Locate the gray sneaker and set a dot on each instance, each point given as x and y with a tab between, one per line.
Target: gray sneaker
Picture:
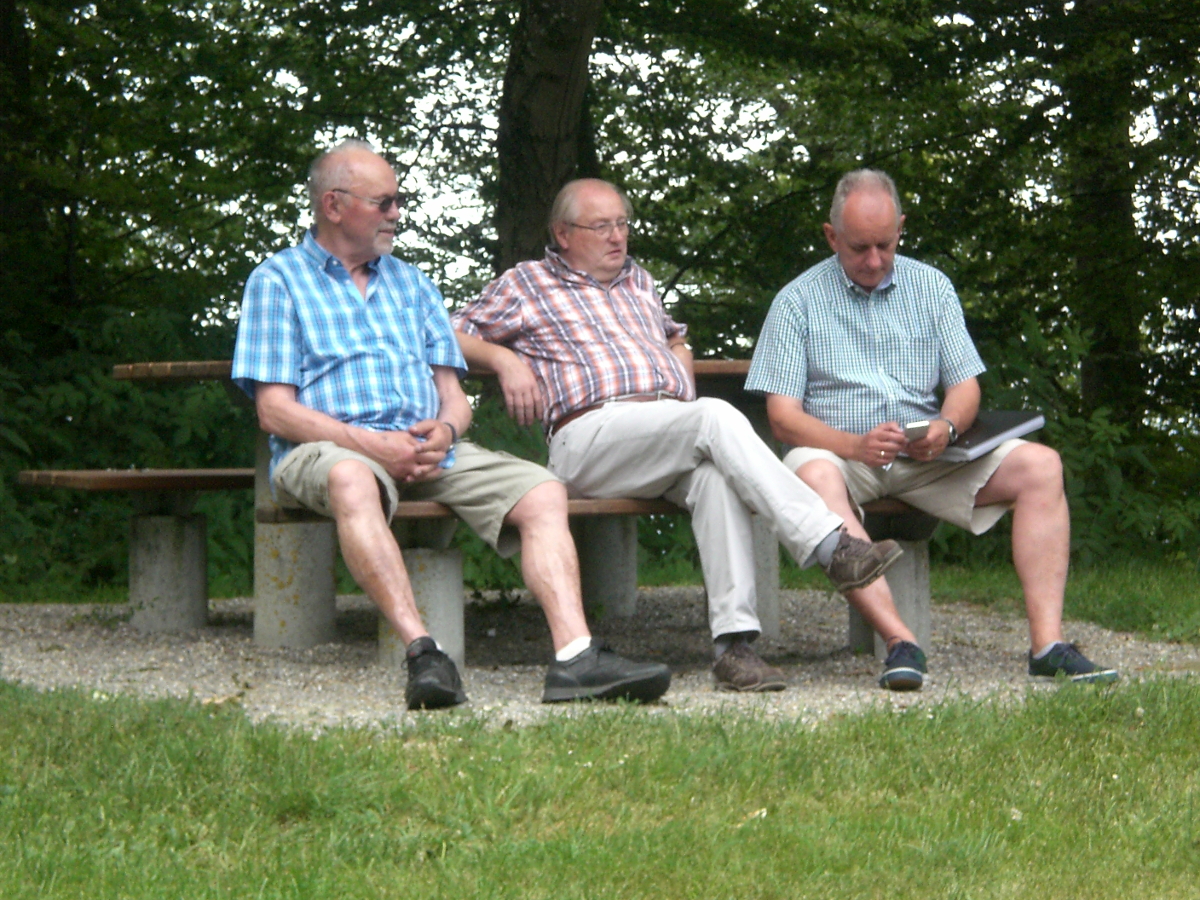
856	563
600	674
905	668
1066	660
741	669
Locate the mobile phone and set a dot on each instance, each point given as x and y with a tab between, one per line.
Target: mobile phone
914	431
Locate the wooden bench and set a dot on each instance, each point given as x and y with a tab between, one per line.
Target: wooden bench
294	550
168	549
294	559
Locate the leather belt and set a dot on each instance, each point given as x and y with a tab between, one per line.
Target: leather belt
570	417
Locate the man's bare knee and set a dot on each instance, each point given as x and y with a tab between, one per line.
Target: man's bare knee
546	503
1035	466
352	485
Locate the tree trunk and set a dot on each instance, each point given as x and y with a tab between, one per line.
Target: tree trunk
1107	296
543	121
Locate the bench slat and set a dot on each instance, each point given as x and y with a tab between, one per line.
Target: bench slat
428	509
141	479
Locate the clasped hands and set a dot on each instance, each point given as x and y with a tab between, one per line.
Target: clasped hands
411	455
882	444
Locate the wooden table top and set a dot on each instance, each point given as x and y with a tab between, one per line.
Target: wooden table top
217	369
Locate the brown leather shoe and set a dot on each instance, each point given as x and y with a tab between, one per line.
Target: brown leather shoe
857	563
741	669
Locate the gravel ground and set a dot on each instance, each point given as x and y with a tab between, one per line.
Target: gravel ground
975	653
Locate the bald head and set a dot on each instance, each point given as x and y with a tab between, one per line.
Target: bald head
865	225
353	193
589	224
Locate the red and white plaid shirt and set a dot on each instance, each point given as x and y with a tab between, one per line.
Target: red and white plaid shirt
585	343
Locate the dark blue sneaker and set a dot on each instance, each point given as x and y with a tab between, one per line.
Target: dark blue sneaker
599	674
904	669
1066	660
433	680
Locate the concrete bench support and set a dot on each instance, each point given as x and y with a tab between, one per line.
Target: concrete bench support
607	547
168	572
608	567
908	578
437	583
294	597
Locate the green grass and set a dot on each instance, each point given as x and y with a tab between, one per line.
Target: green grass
1156	598
1159	599
1077	793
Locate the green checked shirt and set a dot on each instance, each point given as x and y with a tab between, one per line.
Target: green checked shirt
858	359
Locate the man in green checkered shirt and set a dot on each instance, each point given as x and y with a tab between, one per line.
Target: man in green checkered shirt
862	343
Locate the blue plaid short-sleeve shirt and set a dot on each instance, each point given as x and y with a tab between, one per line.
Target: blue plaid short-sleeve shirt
858	359
365	362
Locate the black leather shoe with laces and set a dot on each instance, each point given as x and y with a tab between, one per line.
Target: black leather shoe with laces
433	680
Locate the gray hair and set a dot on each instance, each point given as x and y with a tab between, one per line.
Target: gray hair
861	179
330	168
564	210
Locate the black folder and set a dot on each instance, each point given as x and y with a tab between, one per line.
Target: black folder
991	429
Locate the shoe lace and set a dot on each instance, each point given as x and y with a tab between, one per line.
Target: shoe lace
1070	651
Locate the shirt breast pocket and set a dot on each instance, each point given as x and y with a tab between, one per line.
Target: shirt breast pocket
913	363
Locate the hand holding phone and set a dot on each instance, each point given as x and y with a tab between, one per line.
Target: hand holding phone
914	431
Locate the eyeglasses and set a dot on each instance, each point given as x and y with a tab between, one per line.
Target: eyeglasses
384	205
605	229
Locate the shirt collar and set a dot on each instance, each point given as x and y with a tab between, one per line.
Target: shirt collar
559	267
325	260
889	281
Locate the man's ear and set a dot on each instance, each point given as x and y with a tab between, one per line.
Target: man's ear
830	236
331	207
560	232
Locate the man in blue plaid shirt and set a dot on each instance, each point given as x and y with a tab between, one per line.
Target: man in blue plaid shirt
354	370
861	343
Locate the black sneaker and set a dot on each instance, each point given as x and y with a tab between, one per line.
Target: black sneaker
433	680
904	669
599	674
1065	659
856	563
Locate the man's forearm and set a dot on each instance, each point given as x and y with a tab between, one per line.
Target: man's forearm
454	409
683	353
481	354
280	414
961	404
792	425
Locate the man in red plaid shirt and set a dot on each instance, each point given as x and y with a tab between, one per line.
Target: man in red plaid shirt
581	342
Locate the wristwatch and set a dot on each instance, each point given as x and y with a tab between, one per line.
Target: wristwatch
953	430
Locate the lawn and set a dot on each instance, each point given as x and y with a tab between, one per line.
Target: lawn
1080	792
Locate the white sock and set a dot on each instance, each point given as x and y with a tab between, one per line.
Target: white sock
824	551
1050	646
573	649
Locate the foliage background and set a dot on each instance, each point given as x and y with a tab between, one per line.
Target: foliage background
152	155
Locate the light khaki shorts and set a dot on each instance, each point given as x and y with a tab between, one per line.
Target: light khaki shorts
481	487
942	489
